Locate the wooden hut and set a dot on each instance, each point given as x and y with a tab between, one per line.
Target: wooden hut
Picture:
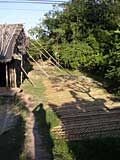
12	55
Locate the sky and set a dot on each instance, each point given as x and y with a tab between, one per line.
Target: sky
28	14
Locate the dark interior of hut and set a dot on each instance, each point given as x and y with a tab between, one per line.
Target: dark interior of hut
2	75
15	76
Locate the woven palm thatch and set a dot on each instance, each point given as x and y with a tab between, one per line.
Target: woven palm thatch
12	41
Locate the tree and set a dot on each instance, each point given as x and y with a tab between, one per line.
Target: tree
85	34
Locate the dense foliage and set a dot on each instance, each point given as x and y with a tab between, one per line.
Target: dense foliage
84	35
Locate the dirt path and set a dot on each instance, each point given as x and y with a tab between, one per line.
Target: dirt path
35	148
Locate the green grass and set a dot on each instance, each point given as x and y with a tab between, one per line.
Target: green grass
67	72
52	118
60	148
36	91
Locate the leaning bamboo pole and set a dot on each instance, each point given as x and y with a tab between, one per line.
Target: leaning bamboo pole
45	56
27	76
38	65
53	59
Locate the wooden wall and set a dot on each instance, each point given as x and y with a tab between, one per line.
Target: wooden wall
10	74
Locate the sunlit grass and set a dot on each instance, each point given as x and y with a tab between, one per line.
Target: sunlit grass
36	91
60	149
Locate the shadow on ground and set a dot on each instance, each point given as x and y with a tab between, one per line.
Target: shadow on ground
12	141
43	140
13	125
95	149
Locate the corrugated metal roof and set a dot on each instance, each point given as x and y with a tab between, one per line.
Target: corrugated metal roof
8	35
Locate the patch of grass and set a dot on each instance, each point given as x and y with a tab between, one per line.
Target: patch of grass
67	72
36	91
52	118
60	148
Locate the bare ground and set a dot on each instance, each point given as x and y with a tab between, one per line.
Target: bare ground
70	89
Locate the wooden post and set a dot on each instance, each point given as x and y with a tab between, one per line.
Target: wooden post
6	75
12	74
21	78
38	65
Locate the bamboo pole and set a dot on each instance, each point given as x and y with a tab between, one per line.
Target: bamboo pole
54	59
27	76
46	56
38	65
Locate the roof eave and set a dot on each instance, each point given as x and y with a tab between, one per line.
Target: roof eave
5	60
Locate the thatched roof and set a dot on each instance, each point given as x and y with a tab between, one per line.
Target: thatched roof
12	38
